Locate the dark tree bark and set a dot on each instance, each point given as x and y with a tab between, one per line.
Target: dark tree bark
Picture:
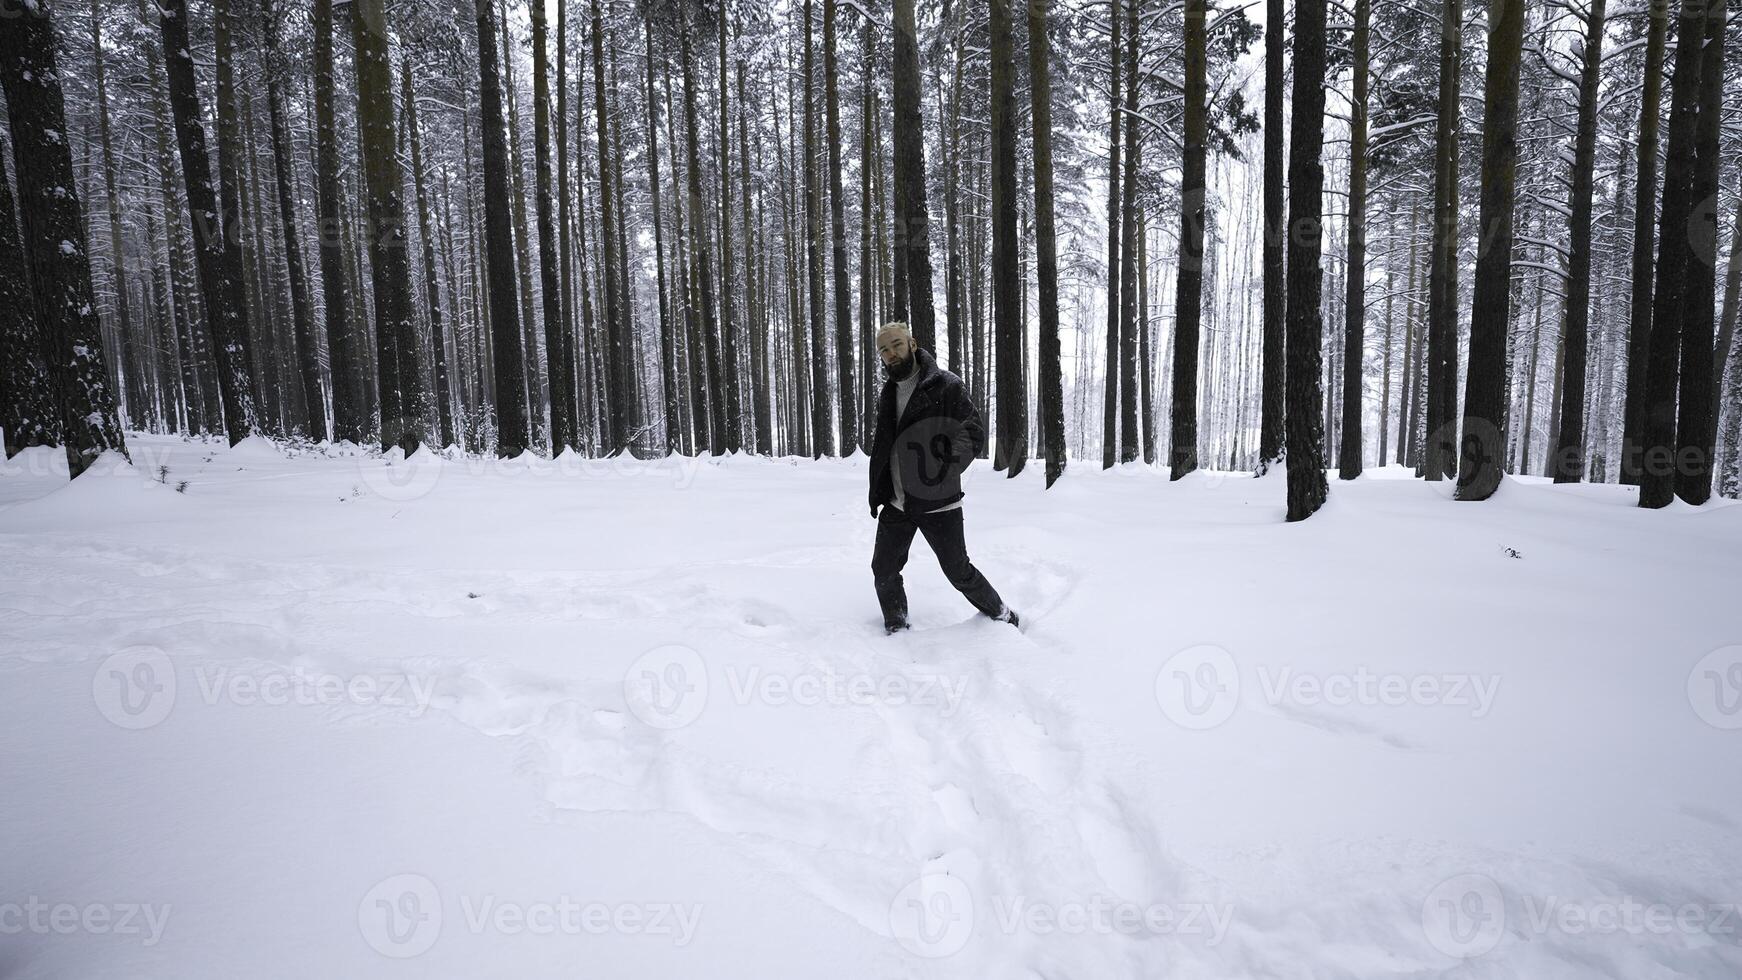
1644	243
1483	459
1306	180
1052	398
1274	371
400	378
1355	282
667	347
913	219
314	418
344	335
700	261
728	278
512	432
438	330
1183	442
1659	464
1438	450
27	411
838	234
1567	464
761	392
559	361
1012	416
821	433
132	366
1128	434
70	336
1110	395
218	255
1696	418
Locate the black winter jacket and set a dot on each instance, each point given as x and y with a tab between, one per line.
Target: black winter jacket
933	442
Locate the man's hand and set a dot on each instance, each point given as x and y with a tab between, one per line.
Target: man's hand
873	511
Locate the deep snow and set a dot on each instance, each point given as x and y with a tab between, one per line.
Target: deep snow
325	714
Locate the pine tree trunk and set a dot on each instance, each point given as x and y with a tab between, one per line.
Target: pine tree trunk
1052	399
438	330
1438	451
1355	280
1482	462
1670	294
513	435
1110	395
913	235
558	360
27	410
399	378
1128	434
1696	416
1567	465
69	336
728	280
667	347
350	413
1275	301
701	262
1189	296
838	237
1644	242
1306	178
218	255
1012	424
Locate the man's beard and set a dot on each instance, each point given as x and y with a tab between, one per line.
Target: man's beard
902	369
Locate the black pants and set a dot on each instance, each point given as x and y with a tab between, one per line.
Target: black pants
943	531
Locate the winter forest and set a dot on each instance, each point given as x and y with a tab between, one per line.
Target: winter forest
432	531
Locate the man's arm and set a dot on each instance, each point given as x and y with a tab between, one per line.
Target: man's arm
963	410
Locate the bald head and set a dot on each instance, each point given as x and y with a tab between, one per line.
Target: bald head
895	347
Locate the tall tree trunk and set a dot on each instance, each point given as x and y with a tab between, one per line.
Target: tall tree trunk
838	236
1189	296
70	336
1306	179
134	390
397	370
1675	254
1355	281
821	434
1696	417
1110	399
1438	451
1052	399
667	346
344	335
1567	465
218	255
1275	301
911	214
1644	242
728	319
558	360
314	418
1482	462
513	435
1012	416
1128	434
701	262
438	330
27	409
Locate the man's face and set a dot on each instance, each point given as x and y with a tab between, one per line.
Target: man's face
894	347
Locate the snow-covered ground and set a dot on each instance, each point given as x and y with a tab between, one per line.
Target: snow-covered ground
334	715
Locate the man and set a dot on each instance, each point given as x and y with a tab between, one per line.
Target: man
928	431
